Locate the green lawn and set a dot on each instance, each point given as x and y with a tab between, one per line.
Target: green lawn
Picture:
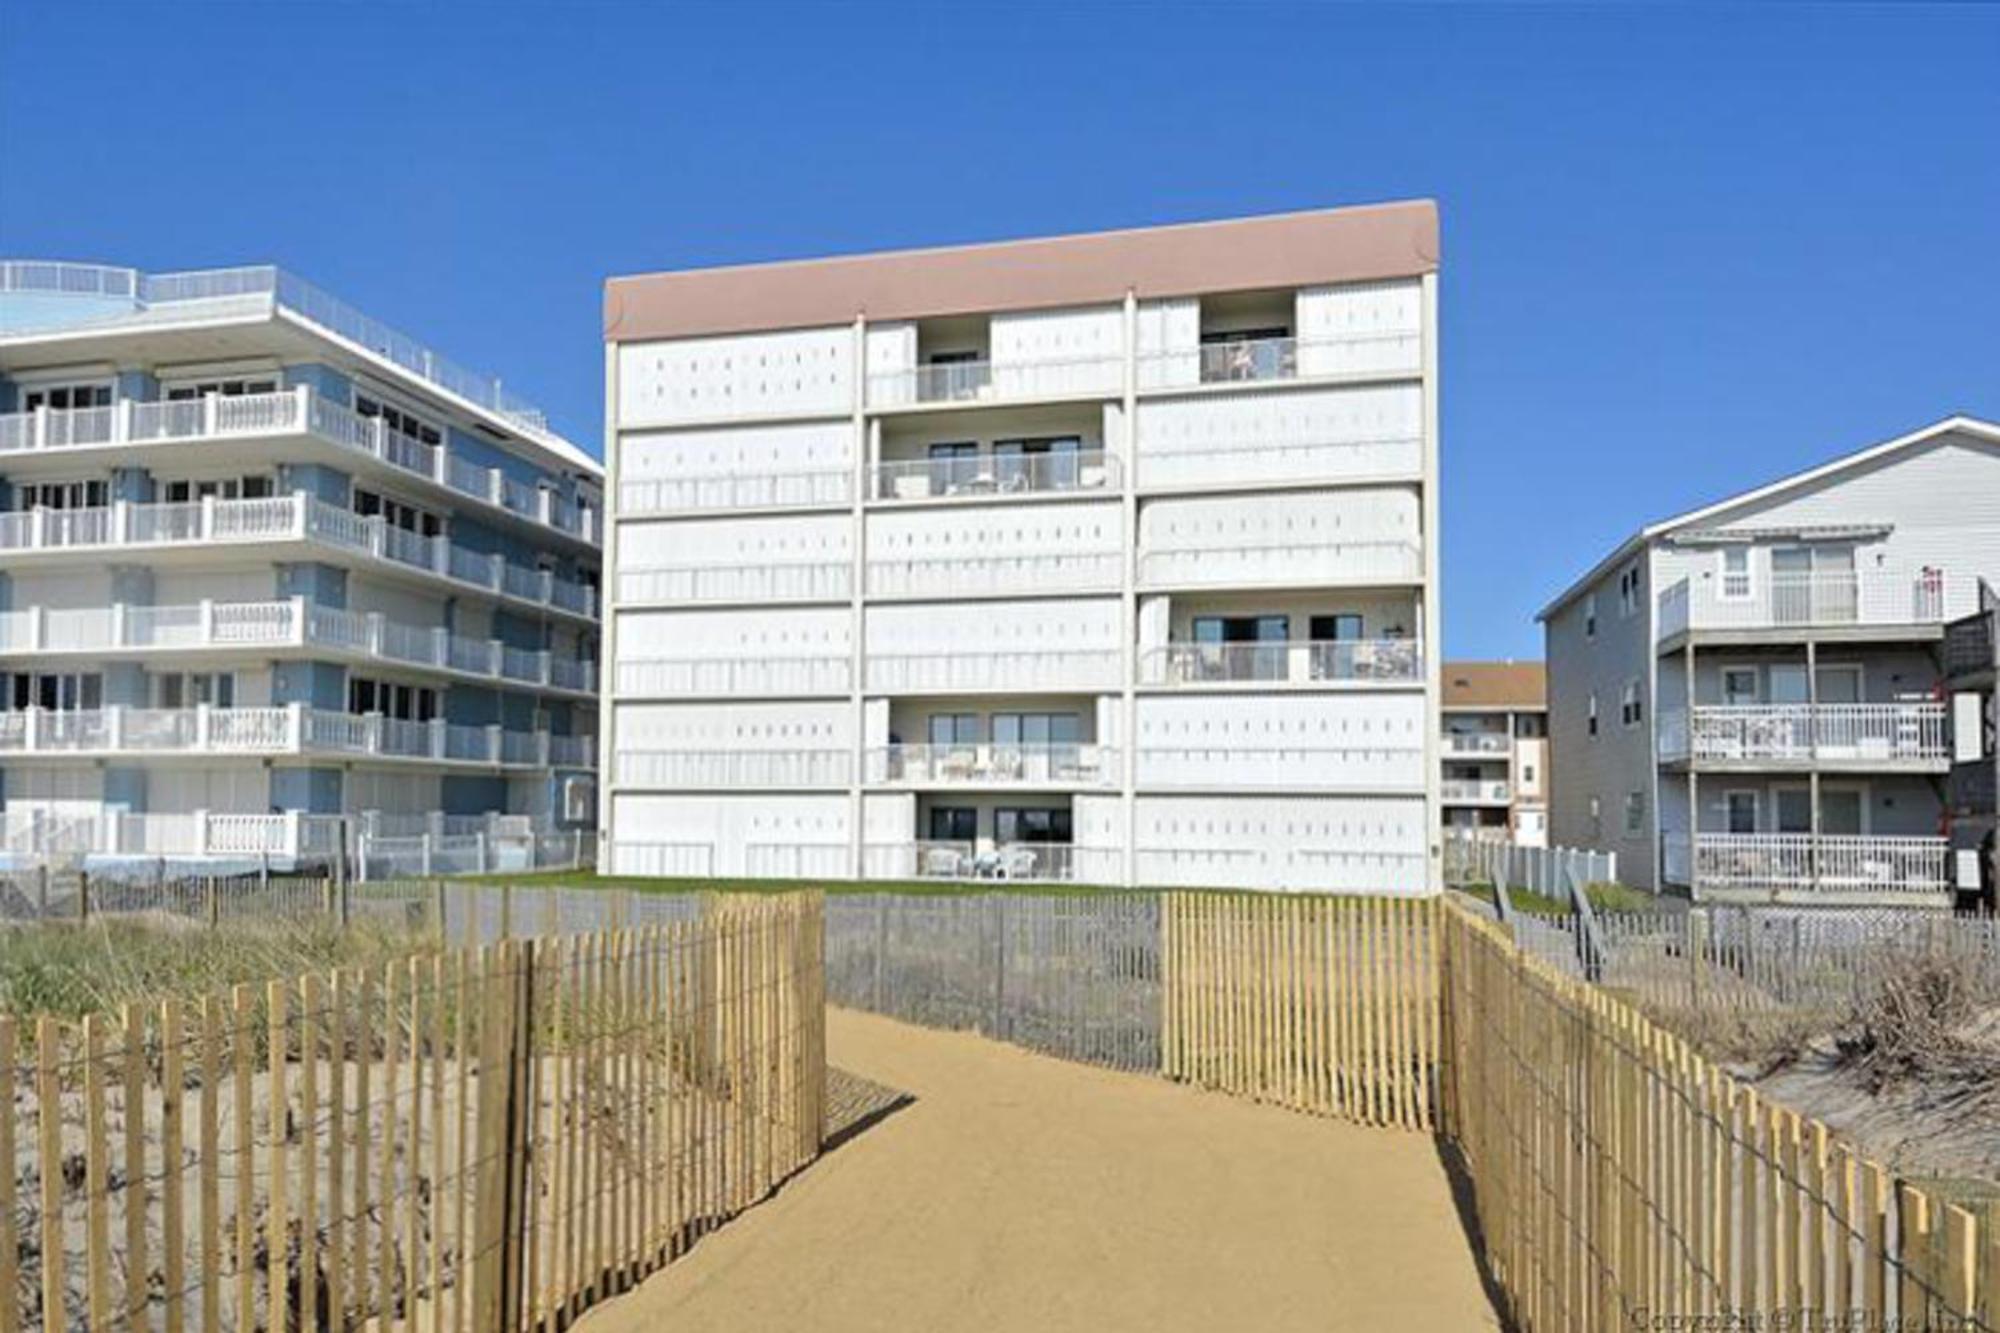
584	879
1605	897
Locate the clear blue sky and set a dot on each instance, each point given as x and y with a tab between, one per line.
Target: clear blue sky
1686	249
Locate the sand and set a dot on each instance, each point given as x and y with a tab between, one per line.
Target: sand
1019	1192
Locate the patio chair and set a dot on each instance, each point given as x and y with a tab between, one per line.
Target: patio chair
1018	863
944	862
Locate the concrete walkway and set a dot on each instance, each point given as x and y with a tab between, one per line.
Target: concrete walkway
1023	1193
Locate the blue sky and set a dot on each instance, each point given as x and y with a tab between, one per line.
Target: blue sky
1687	249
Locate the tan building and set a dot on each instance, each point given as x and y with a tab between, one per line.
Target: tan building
1495	751
1107	558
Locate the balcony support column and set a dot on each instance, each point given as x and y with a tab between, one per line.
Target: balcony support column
1812	713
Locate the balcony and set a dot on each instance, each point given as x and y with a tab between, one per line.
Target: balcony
1390	458
1867	598
994	765
791	581
1080	670
1477	745
992	476
1465	791
682	677
976	382
1285	564
290	623
199	833
1304	663
1397	352
969	575
1867	736
289	729
1851	868
1969	649
141	528
1362	767
808	488
697	768
1050	862
130	427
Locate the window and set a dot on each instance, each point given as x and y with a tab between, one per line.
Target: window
1630	710
1241	647
1628	591
1036	729
192	688
1739	809
1635	814
396	513
64	397
1590	615
954	729
61	692
406	424
1531	726
952	823
1527	774
234	387
1031	825
1339	628
1735	573
1739	686
1596	818
954	466
225	488
64	495
1037	465
407	703
1591	721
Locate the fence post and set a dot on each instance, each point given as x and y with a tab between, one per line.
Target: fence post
83	895
213	902
1697	947
999	966
1589	940
504	1057
881	946
42	891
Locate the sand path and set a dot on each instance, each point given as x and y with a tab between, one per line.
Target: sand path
1024	1193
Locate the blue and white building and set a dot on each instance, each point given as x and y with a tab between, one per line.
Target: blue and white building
271	570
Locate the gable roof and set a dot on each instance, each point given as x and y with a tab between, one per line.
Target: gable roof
1852	462
1518	685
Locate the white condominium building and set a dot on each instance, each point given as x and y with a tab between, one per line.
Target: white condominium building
270	570
1108	558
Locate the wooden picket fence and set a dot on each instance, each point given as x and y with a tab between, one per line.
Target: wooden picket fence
1622	1181
1328	1005
488	1138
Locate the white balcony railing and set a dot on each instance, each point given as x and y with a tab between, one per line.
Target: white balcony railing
1301	662
791	488
1815	601
1464	791
292	622
286	729
1781	862
1385	560
790	581
931	858
1894	733
735	768
996	381
1030	669
966	573
670	677
1477	744
1260	360
992	475
1290	463
984	765
296	411
297	517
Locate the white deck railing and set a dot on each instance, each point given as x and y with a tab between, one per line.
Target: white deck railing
989	475
1076	764
1260	360
1028	669
735	768
1798	861
800	487
1893	733
1477	745
996	381
935	858
1300	662
1381	560
285	729
1815	601
1163	466
299	410
296	517
668	677
1463	791
800	580
293	622
969	573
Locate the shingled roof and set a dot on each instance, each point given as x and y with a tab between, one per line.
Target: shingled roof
1518	685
